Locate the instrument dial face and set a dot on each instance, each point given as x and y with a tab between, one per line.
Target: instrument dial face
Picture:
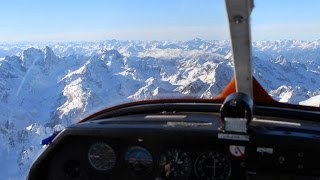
101	157
175	164
139	160
212	165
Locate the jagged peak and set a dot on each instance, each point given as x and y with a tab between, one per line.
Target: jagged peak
31	51
30	56
48	50
281	60
196	40
112	52
112	58
49	55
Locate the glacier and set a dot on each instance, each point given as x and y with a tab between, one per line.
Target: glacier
46	86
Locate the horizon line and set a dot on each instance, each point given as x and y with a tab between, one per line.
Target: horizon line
137	40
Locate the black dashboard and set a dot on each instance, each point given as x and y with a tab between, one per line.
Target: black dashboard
183	141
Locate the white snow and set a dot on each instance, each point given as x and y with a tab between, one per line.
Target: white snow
60	83
75	97
313	101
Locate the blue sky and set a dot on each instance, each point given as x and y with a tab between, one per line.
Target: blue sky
36	20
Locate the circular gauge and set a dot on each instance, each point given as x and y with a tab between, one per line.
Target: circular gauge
139	160
175	164
213	166
101	157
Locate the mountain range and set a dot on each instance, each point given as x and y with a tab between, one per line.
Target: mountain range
47	86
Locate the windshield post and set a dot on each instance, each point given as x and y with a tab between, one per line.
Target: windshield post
239	25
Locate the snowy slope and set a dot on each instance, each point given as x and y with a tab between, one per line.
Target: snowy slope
313	101
46	86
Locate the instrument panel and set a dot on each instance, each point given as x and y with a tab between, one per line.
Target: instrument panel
172	163
103	158
182	146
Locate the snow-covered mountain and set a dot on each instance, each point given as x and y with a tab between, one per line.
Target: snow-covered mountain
46	86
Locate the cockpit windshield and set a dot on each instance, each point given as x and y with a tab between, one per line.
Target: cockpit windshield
61	61
286	50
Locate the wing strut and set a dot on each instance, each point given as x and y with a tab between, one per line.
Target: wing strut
239	23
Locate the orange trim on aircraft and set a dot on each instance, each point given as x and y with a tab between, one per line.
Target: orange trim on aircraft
259	94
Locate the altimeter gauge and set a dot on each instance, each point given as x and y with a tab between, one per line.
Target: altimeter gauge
212	165
175	164
101	156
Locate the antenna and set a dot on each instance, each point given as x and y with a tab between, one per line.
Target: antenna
239	24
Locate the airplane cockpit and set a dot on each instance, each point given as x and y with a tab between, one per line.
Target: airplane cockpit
240	134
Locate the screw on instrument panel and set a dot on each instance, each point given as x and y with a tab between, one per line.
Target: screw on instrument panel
238	19
233	103
140	140
281	159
